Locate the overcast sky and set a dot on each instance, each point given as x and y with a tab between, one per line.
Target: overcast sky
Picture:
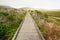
43	4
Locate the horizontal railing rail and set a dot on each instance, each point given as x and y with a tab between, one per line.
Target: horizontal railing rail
39	32
17	32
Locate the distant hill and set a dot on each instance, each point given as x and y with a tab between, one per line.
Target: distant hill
2	6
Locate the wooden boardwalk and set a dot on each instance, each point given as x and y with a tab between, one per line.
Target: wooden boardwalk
28	30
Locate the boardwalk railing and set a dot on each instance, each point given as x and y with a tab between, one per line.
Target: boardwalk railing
17	32
39	32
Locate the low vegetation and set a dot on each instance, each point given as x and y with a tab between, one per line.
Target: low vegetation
9	22
47	24
55	13
37	21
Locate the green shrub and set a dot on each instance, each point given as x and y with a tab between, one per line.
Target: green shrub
4	13
2	30
10	17
57	21
45	15
9	27
40	28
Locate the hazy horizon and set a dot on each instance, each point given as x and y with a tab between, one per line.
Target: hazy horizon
43	4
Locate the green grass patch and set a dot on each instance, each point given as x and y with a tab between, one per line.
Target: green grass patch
41	28
57	21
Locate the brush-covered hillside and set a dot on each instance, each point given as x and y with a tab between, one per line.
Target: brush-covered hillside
10	19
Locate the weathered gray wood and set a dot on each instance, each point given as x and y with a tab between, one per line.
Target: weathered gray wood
28	30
